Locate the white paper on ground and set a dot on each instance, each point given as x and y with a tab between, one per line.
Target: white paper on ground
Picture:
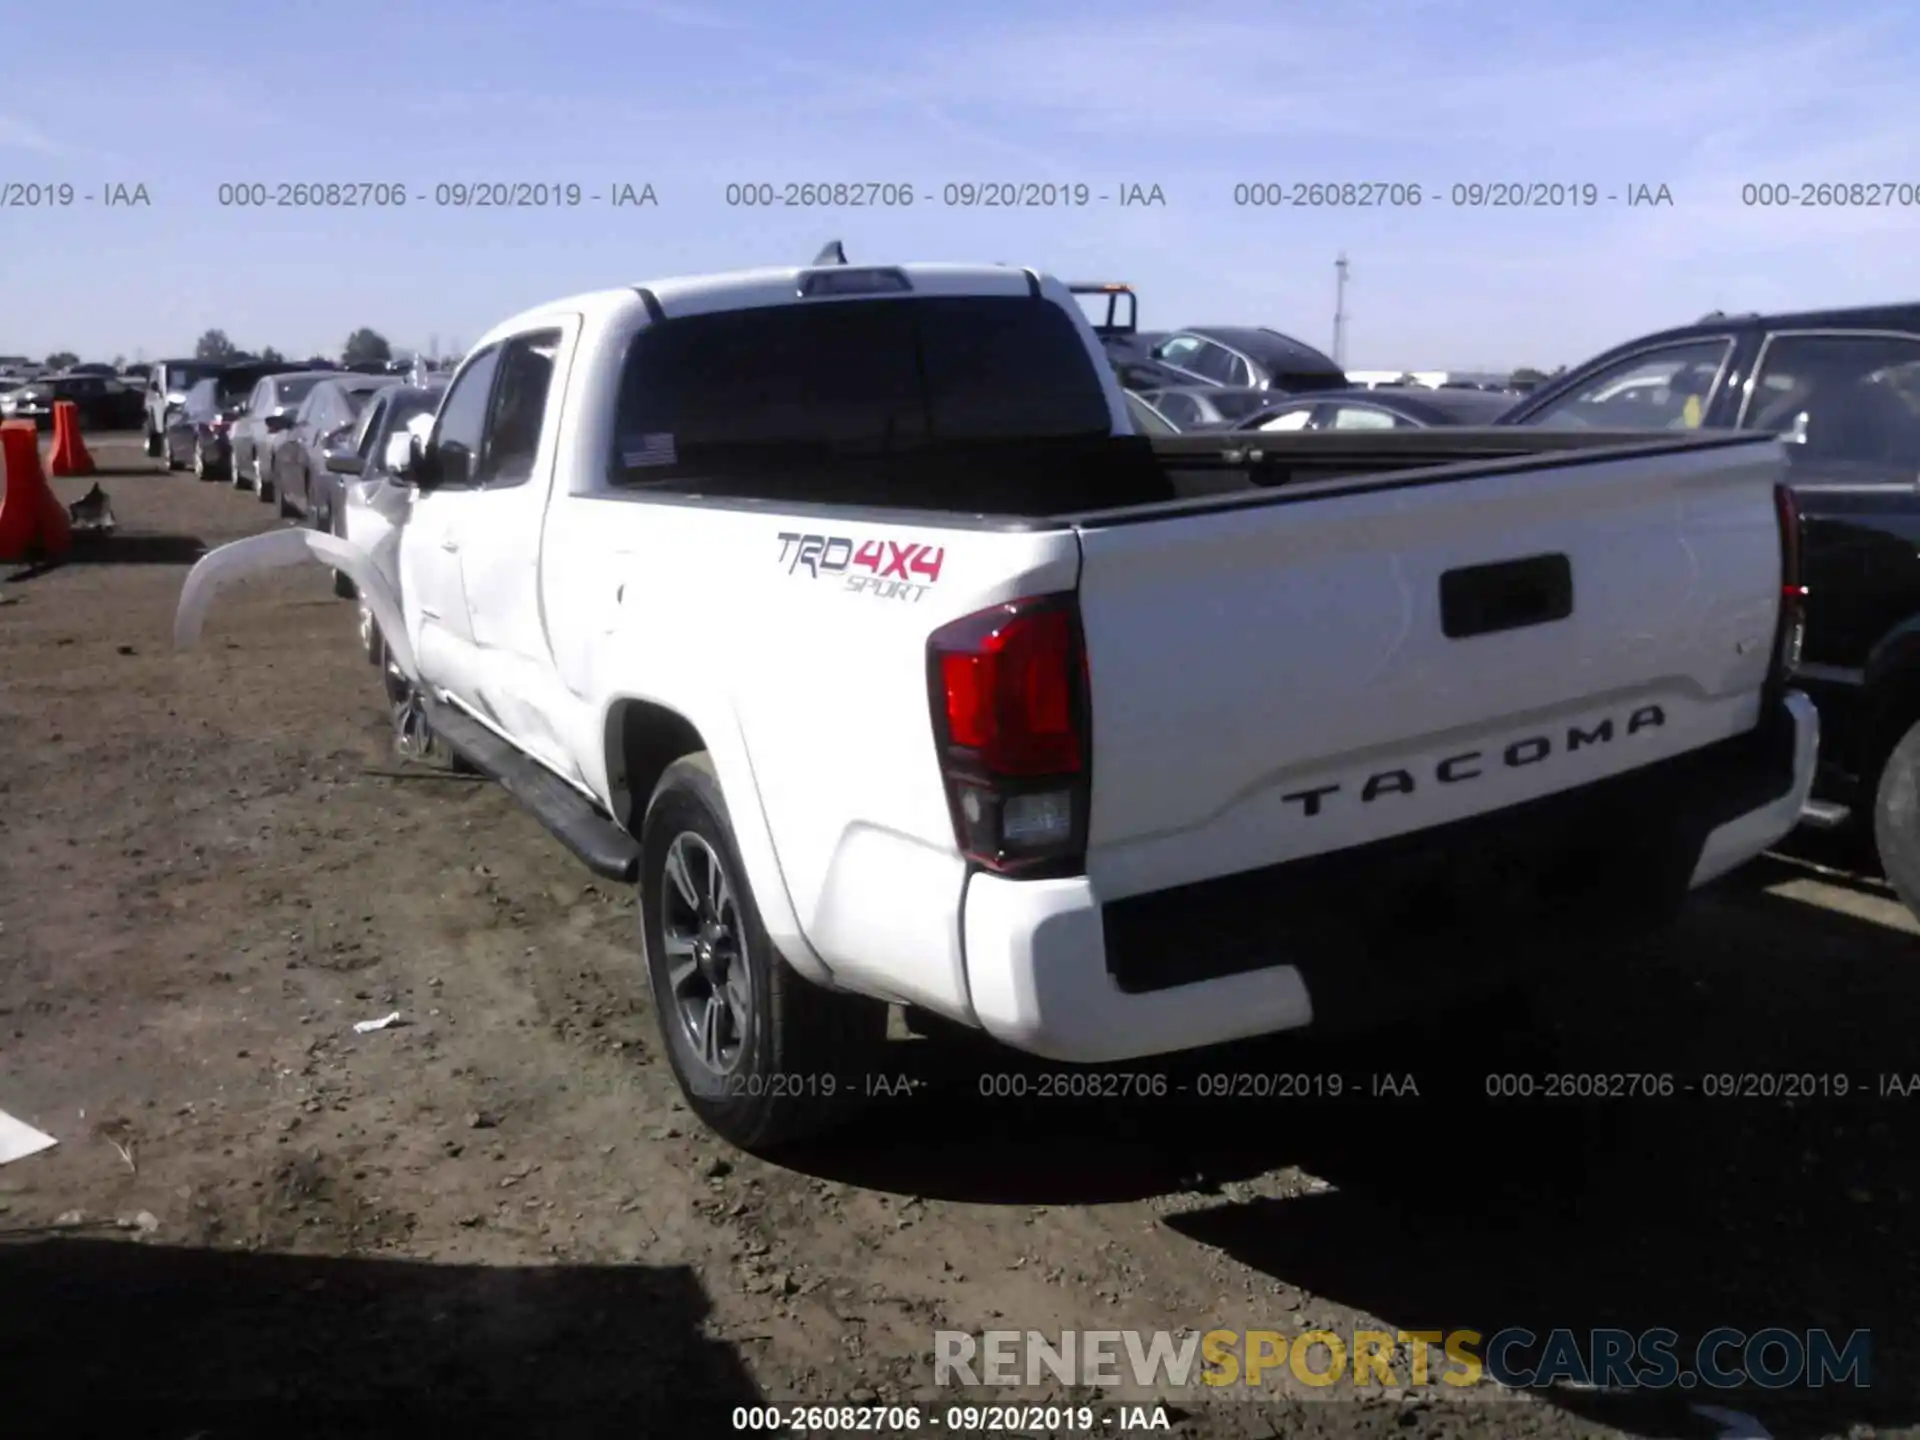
367	1027
19	1139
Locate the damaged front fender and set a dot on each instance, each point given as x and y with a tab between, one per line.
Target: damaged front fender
274	551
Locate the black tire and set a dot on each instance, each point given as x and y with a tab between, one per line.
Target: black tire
153	444
1896	817
343	585
800	1063
234	474
371	640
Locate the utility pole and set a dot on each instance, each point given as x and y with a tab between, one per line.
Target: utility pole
1340	311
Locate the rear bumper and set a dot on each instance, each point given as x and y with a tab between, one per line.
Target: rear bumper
1054	972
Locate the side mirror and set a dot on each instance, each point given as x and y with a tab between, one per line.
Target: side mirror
399	458
423	462
345	463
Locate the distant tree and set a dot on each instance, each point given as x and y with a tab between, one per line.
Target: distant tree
1559	370
272	356
214	345
1526	375
60	359
119	362
365	346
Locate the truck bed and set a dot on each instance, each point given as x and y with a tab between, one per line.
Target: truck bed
1049	485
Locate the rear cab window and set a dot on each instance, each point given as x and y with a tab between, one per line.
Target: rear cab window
879	401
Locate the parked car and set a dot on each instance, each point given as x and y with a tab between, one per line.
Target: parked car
1842	389
197	433
168	382
372	505
202	434
269	415
1103	728
1382	409
103	402
1202	407
89	367
297	475
136	375
1232	355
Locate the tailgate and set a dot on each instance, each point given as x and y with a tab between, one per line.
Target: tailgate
1328	666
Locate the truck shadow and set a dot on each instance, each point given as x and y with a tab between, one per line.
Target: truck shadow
1783	1203
119	549
116	1337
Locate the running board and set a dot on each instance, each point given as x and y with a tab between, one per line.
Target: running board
1824	815
601	845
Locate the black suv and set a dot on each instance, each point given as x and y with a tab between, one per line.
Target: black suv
1842	388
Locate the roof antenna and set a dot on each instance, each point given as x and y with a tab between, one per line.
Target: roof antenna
832	254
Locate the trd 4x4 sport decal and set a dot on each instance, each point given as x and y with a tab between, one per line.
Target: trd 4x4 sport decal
885	569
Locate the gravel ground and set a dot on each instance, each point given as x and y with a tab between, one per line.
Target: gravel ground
498	1214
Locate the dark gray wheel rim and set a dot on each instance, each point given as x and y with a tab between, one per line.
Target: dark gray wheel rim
710	986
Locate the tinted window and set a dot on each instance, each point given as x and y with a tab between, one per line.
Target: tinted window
1182	410
519	407
1665	389
1213	362
235	385
857	377
1848	398
1363	417
463	421
1239	372
1145	419
368	430
296	387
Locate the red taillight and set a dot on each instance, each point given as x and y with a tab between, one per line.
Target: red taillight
1793	594
1009	698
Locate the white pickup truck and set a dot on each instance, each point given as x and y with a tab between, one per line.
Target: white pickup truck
841	609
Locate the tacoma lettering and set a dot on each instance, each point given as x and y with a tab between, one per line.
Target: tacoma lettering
1456	769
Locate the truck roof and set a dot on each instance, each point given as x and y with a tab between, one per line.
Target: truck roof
751	289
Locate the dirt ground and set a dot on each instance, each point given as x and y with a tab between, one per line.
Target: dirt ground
498	1214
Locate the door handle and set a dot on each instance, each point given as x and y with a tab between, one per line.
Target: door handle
449	544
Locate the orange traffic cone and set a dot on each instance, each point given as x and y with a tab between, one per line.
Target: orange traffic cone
33	523
70	455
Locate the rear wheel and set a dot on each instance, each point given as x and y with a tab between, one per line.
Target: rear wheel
1896	817
763	1056
153	443
335	525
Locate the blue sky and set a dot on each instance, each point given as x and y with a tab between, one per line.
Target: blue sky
687	95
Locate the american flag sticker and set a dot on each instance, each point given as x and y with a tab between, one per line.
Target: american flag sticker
653	450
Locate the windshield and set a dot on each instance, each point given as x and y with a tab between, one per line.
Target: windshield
855	377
